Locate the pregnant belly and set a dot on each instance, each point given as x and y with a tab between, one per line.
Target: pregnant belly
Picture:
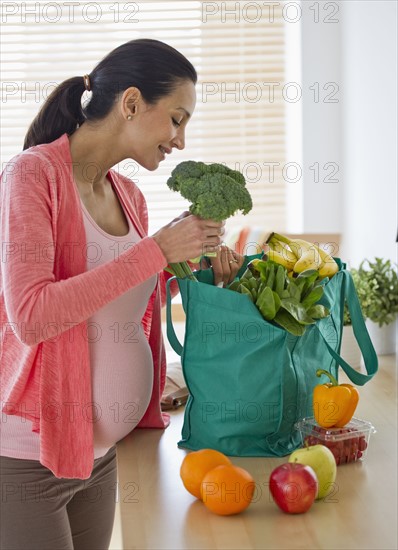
122	381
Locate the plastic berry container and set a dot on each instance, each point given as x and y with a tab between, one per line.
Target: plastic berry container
348	444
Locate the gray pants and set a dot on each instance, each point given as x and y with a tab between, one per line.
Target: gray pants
42	512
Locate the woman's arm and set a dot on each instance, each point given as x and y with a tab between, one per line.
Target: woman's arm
38	306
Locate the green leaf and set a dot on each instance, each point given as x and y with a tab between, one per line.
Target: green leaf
297	311
318	312
294	291
247	274
277	300
300	284
246	292
285	293
245	283
266	304
286	321
313	297
310	281
308	274
260	267
280	280
234	285
253	282
271	276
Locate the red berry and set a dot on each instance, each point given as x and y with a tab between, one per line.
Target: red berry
354	444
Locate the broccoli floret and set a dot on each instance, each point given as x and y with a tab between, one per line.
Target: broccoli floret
215	191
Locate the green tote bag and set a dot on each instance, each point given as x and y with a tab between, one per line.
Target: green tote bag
249	380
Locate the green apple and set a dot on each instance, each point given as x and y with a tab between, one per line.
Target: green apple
322	461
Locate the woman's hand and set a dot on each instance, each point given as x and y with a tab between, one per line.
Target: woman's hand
225	266
188	237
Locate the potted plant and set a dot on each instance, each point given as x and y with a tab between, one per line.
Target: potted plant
376	283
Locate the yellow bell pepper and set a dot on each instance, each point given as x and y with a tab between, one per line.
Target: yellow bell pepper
334	404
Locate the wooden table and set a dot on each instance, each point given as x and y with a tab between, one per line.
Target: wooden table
158	513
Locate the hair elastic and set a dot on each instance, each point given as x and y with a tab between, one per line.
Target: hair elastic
87	83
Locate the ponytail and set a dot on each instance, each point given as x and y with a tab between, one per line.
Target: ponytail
155	68
62	112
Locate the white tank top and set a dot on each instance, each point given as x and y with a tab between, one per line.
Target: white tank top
120	357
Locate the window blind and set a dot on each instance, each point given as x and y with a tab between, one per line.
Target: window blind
238	49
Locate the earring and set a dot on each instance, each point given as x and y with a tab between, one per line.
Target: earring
129	117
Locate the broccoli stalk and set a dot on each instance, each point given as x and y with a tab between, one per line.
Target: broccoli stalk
215	192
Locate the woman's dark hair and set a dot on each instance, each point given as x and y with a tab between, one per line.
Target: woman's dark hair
155	68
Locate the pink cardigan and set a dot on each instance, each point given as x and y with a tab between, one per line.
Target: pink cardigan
46	296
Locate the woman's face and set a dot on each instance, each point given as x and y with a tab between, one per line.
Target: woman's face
155	130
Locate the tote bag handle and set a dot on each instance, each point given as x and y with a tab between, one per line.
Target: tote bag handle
361	335
171	335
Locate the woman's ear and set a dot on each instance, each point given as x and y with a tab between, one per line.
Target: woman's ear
130	102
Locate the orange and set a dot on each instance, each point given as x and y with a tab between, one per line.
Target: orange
227	490
196	465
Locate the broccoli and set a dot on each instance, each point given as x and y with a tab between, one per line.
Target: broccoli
215	191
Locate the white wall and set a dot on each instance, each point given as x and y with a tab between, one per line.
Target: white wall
321	70
369	70
359	132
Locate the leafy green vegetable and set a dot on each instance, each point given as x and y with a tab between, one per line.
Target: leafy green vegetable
292	303
215	192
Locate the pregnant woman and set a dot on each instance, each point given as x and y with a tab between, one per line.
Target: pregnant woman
81	289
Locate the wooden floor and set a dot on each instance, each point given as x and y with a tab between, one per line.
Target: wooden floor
157	513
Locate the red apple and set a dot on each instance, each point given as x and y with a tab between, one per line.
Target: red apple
293	487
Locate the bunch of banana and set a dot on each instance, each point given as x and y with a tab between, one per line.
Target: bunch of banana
298	255
290	303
